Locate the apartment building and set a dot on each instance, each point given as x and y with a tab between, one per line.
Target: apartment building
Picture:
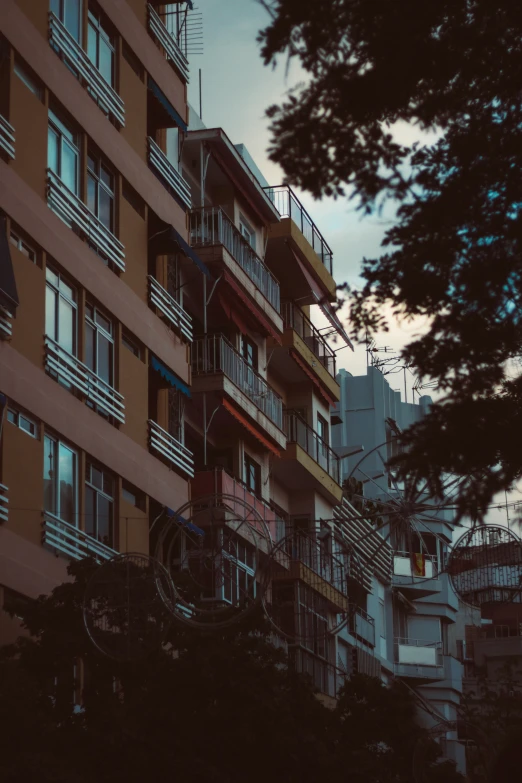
408	620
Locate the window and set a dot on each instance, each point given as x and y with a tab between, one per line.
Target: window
99	504
100	45
100	190
249	351
69	12
382	619
176	414
25	75
238	568
23	422
99	344
247	232
131	344
63	152
322	428
60	480
23	246
312	620
252	475
132	495
60	311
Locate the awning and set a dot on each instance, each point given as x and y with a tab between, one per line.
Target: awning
169	108
169	240
8	293
185	523
324	304
312	376
169	376
252	309
246	424
232	314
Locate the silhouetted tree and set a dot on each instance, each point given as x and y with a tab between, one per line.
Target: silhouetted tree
447	73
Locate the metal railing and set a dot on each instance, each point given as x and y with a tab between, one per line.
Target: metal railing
418	652
294	318
76	214
162	165
326	677
211	226
418	564
6	328
168	42
303	548
74	56
215	354
7	137
72	542
73	372
170	308
3	503
362	626
288	205
298	431
501	631
171	448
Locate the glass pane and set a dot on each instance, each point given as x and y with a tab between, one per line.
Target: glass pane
90	522
68	290
66	325
104	520
104	368
72	18
92	45
27	425
52	150
105	63
11	416
105	208
50	312
67	489
89	347
92	163
97	477
51	276
55	8
103	322
69	167
108	484
106	177
91	194
49	475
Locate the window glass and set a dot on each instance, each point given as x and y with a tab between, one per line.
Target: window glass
60	311
69	167
11	416
52	150
67	470
29	82
99	344
66	324
71	20
50	313
99	503
100	191
49	475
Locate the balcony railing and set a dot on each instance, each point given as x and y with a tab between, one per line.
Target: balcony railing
72	542
168	307
169	44
216	355
219	481
3	503
418	652
6	329
289	206
362	626
326	677
420	565
7	137
73	211
170	448
299	547
162	165
74	56
72	372
298	431
294	318
211	226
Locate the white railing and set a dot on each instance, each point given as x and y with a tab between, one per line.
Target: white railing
73	372
418	652
165	39
6	329
169	447
215	354
210	226
159	161
7	137
74	56
73	211
3	503
172	310
416	565
72	542
362	626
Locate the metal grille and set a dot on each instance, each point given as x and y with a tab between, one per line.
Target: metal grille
167	40
3	503
298	431
170	448
72	542
7	137
159	161
170	308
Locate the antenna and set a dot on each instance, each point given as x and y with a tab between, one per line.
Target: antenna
185	25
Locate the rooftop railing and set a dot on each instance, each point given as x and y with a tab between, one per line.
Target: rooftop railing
214	354
294	318
170	175
68	540
211	226
289	206
298	431
168	42
7	137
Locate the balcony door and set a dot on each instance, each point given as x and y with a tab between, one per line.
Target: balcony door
69	12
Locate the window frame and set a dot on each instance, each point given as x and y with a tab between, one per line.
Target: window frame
101	187
97	22
247	232
23	73
59	292
100	492
249	464
58	443
15	238
17	415
69	138
90	321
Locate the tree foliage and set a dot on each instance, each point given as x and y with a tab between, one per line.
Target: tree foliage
447	73
225	707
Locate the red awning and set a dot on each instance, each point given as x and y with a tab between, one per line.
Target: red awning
252	310
312	377
251	429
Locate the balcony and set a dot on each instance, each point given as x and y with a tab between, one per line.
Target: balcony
3	504
6	329
170	309
417	572
326	678
171	449
76	59
210	226
215	355
294	318
68	540
170	176
362	626
75	214
298	431
73	373
420	659
219	482
7	138
168	43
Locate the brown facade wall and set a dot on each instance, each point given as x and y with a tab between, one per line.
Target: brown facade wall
29	323
133	234
38	13
134	94
140	9
22	473
28	116
134	528
133	376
